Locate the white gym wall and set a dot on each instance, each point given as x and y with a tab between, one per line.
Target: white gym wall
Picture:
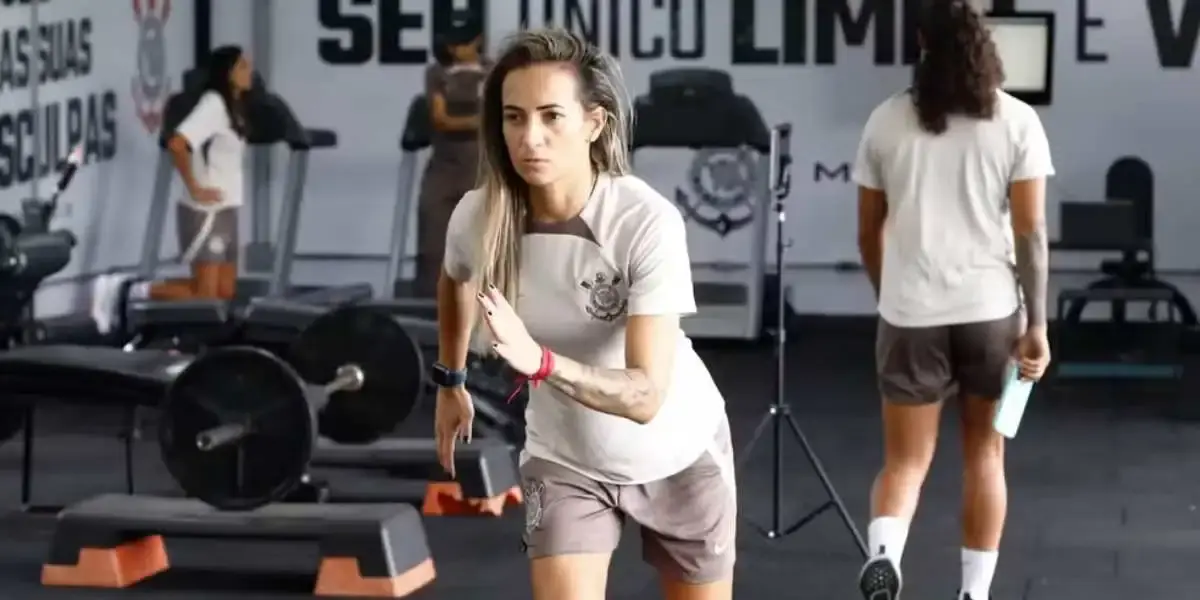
1128	105
92	91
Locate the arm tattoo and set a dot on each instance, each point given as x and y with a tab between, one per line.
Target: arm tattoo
1033	273
627	393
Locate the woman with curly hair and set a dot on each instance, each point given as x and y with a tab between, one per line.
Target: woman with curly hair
951	176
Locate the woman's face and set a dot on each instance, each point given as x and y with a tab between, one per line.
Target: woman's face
241	75
547	130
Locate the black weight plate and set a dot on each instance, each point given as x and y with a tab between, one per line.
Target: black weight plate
392	364
232	385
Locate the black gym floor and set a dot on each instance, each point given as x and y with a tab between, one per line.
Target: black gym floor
1103	502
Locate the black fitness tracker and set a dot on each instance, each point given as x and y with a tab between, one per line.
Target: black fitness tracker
445	377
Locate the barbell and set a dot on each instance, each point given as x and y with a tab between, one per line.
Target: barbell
239	425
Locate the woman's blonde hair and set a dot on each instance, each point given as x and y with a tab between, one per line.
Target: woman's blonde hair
506	208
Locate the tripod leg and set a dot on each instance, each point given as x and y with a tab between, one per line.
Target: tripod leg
759	430
824	477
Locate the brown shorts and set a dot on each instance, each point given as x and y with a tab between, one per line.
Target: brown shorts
207	237
919	365
688	521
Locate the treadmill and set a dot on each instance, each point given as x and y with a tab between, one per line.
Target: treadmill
274	123
698	109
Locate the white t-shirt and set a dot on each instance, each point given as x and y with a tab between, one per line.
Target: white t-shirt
947	242
217	150
625	254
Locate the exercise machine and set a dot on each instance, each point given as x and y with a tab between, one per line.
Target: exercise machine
273	123
416	138
205	321
698	109
30	252
1124	224
1119	347
32	230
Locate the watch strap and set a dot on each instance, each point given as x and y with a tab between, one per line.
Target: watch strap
444	376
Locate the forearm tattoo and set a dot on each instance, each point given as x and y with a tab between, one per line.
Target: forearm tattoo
627	393
1033	273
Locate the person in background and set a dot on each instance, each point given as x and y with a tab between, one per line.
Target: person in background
952	176
208	148
452	87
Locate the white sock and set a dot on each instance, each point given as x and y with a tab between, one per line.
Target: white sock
102	302
978	568
886	536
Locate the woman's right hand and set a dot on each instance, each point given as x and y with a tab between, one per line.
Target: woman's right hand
452	421
207	195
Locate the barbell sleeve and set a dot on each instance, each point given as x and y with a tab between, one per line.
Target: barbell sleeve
349	378
221	435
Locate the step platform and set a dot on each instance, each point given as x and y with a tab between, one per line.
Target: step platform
486	479
116	541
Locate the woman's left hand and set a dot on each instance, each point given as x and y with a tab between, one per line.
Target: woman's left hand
510	339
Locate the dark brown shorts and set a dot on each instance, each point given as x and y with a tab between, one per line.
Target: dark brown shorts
688	521
920	365
207	236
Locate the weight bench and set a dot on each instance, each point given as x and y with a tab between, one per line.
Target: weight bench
82	375
486	479
202	320
116	541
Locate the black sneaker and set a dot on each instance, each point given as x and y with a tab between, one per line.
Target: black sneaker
967	597
879	580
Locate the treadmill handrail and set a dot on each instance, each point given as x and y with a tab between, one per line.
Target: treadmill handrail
418	131
334	295
282	304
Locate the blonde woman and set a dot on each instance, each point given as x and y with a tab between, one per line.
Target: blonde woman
580	273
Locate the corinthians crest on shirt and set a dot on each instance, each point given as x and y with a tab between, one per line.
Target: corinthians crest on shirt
606	296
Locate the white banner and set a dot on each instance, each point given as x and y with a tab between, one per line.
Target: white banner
105	70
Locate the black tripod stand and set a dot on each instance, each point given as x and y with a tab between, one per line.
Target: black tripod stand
779	414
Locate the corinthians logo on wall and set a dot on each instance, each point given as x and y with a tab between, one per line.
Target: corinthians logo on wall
722	182
151	85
